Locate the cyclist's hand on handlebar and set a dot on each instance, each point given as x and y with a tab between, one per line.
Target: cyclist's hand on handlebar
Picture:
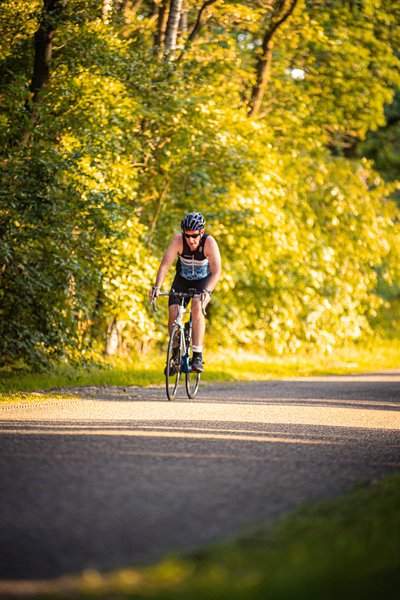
205	298
154	293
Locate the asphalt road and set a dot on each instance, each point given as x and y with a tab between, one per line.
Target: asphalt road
126	476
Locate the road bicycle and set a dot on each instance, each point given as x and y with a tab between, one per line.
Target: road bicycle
179	353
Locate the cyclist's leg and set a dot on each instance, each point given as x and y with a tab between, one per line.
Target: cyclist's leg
199	323
199	326
173	312
179	285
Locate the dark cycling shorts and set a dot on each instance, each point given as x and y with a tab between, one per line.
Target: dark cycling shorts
183	285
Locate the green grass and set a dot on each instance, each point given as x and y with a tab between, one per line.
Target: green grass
123	372
221	365
22	398
148	370
348	548
238	364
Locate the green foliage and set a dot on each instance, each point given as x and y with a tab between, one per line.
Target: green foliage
308	267
97	175
55	229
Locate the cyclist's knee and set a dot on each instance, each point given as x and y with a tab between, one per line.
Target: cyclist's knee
173	312
196	308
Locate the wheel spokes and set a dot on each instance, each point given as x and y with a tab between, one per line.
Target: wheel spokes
173	367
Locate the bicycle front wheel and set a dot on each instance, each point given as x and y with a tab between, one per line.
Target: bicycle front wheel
192	383
174	363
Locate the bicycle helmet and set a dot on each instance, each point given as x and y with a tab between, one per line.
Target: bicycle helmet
193	221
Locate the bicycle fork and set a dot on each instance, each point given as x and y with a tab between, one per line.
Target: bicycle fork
186	340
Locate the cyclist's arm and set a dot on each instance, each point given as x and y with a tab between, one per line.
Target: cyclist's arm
214	259
170	254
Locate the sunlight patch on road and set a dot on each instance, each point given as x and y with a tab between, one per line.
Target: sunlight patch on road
282	412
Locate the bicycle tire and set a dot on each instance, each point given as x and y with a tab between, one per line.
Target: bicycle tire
172	381
192	378
192	383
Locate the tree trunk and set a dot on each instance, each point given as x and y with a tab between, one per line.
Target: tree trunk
43	49
183	21
281	12
200	20
42	60
172	25
263	73
114	340
162	23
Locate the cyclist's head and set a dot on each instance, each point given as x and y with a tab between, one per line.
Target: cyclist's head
193	221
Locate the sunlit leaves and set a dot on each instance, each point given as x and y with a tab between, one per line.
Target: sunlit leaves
124	143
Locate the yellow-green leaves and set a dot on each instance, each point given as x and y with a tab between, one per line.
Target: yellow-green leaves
124	143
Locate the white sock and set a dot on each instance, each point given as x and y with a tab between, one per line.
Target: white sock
197	348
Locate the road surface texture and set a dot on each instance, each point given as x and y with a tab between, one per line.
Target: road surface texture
125	476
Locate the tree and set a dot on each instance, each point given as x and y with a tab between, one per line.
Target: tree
123	143
162	23
42	56
172	24
281	10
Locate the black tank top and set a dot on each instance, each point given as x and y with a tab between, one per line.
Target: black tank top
193	265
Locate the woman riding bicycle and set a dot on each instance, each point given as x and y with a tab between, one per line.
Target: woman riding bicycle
198	267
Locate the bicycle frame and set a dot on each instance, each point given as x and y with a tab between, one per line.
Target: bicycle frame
183	365
182	311
179	320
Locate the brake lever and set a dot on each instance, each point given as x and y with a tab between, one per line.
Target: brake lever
154	301
203	310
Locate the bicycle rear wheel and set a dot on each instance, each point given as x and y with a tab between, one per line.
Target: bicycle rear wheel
174	363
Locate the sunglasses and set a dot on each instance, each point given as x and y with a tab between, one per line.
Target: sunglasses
191	235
